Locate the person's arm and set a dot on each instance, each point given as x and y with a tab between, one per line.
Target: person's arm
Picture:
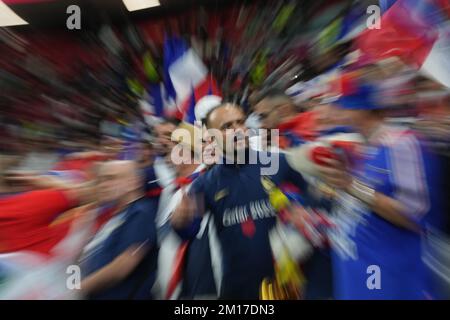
80	193
190	230
393	211
410	200
137	237
186	217
114	272
184	213
43	206
43	181
296	178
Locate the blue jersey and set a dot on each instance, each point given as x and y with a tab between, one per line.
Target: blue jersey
364	243
242	217
134	226
198	276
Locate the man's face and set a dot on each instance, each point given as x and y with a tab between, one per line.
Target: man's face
164	144
265	109
114	182
229	124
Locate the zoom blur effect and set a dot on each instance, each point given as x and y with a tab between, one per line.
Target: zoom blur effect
135	134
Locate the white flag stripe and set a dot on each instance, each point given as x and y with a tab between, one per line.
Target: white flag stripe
437	64
186	73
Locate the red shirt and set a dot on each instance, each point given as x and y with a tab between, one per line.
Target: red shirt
83	164
26	221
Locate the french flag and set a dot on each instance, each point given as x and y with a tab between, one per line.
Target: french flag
207	87
417	31
186	79
175	282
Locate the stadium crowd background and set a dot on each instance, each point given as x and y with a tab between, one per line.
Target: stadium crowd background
357	209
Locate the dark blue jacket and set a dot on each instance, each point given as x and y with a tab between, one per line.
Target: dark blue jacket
242	217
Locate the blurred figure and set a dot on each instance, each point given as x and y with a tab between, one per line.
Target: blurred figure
42	232
164	171
198	276
434	124
276	110
163	132
241	214
165	176
146	162
120	261
303	129
330	119
384	203
191	278
27	218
